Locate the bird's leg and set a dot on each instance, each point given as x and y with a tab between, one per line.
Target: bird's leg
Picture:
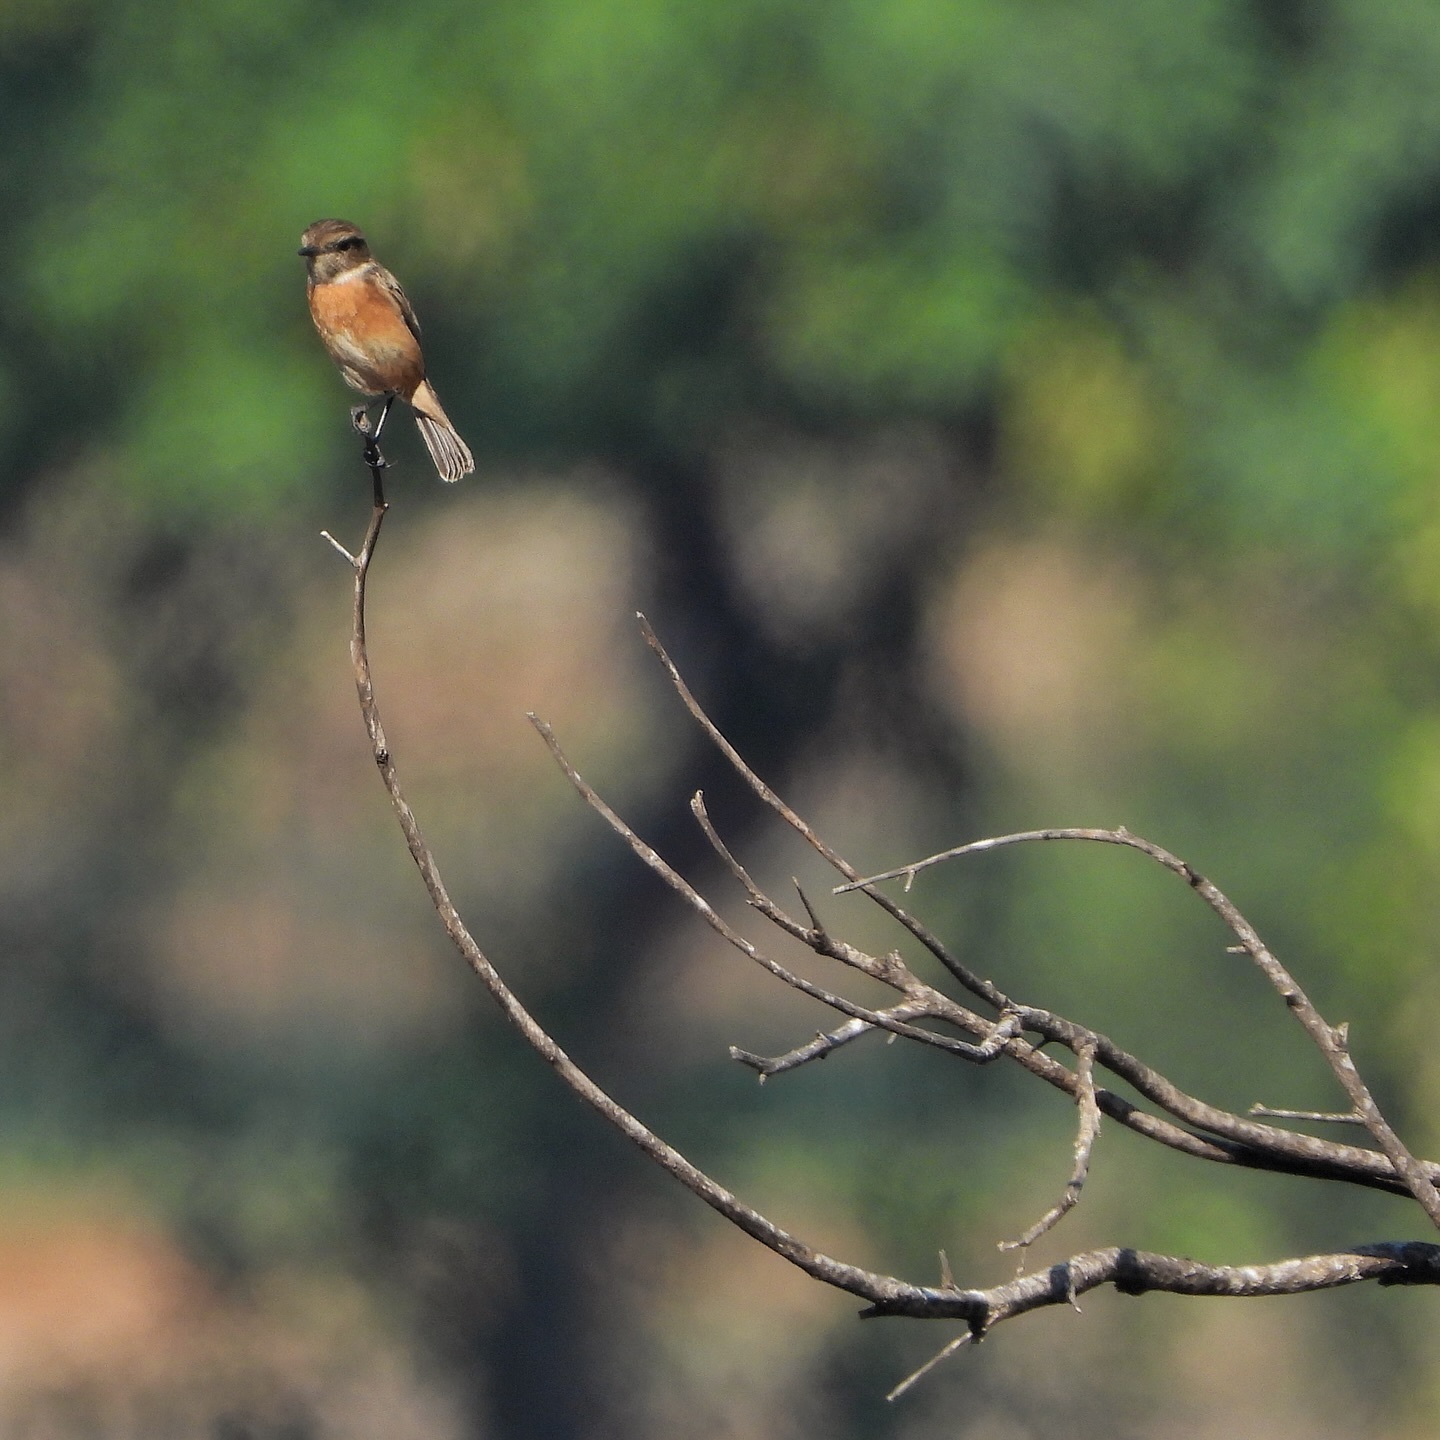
380	423
370	433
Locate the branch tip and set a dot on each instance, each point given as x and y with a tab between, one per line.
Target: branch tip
914	1378
354	562
1318	1117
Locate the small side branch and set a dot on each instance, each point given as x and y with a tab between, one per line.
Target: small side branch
889	970
1087	1133
916	1376
825	1042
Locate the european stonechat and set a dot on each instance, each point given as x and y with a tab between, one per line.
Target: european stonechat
371	332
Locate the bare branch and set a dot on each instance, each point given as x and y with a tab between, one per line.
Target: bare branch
1139	1272
1088	1132
1331	1041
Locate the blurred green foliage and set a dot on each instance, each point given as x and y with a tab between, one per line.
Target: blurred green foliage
1158	281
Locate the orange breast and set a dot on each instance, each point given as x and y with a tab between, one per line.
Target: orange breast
367	336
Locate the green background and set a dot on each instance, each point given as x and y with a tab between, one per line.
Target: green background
1010	414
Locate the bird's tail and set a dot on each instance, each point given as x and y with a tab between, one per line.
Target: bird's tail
450	453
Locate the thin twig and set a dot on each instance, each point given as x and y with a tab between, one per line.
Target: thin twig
1088	1130
326	535
825	1042
1319	1117
916	1376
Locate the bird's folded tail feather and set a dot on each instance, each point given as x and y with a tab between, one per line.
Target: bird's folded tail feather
450	453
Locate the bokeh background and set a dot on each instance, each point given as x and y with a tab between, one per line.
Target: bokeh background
1010	412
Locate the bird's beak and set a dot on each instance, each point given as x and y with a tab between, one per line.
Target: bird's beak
308	250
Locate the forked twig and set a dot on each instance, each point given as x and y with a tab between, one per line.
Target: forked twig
981	988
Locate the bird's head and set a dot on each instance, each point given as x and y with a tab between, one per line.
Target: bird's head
331	247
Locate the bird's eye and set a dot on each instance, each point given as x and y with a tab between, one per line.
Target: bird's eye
348	243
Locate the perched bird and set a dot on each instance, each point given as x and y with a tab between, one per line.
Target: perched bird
372	334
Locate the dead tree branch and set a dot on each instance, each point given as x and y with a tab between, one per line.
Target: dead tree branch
999	1029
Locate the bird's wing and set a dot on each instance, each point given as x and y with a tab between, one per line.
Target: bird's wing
392	288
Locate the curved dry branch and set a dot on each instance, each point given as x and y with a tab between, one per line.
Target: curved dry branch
1232	1139
879	1290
